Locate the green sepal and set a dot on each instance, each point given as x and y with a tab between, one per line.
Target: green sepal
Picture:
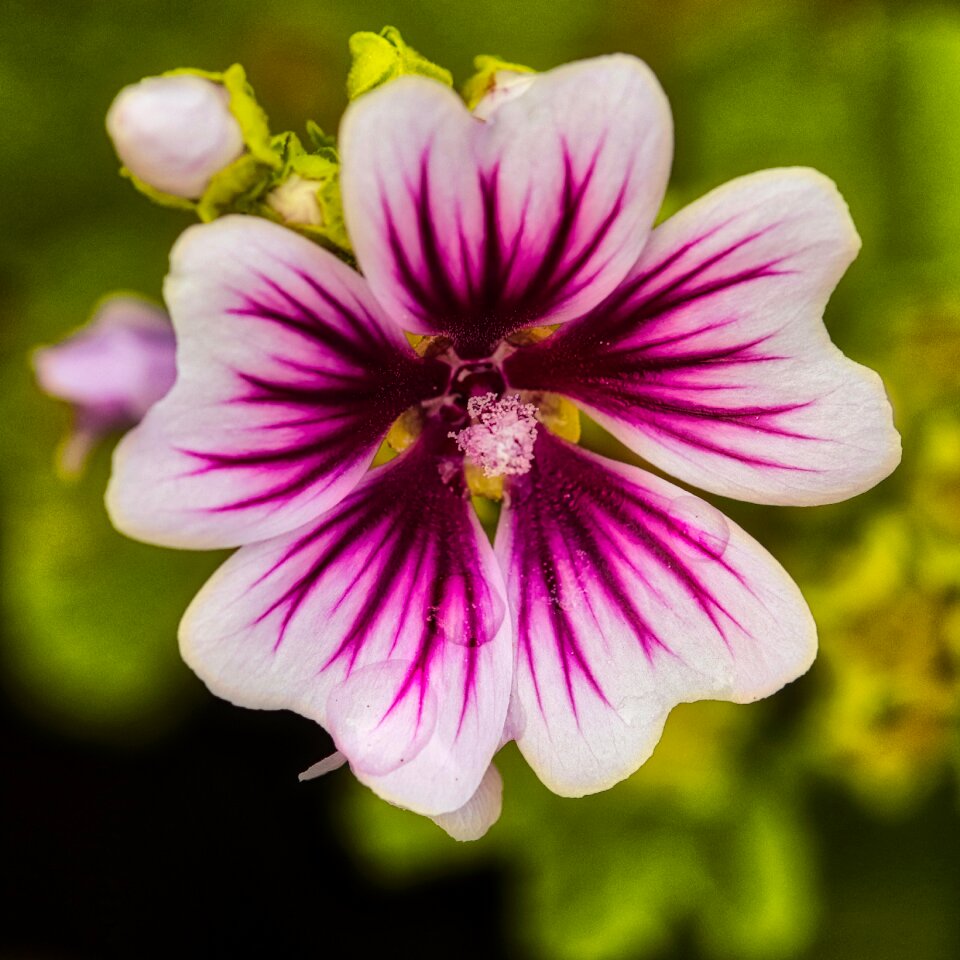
487	66
250	115
324	144
158	196
381	57
234	188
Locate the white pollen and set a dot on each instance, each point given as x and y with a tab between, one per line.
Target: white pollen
501	439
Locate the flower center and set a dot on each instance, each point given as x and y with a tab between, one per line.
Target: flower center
493	433
475	379
501	437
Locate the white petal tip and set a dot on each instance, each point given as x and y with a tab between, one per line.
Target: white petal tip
479	813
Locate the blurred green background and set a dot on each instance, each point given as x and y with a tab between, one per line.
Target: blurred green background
822	824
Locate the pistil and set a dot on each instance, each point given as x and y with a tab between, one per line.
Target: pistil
501	436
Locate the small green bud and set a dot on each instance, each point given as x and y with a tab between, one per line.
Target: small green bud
381	57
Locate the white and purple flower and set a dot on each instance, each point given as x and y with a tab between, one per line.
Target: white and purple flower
371	600
111	372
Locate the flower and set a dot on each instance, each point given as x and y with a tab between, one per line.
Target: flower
111	371
175	132
370	600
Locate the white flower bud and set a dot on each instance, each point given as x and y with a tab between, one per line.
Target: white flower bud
174	133
296	201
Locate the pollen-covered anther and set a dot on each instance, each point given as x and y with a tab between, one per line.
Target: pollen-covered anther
501	438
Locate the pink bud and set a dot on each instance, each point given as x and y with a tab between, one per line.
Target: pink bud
174	133
111	371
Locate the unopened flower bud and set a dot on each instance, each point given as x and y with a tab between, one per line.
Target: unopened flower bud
111	372
295	200
174	133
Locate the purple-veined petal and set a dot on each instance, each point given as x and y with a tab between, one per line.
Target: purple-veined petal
383	620
473	228
479	813
629	596
712	361
288	378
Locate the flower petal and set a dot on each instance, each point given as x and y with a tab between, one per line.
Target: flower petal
629	596
474	228
479	813
712	360
289	377
384	620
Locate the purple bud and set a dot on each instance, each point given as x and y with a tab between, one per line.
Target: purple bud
111	371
